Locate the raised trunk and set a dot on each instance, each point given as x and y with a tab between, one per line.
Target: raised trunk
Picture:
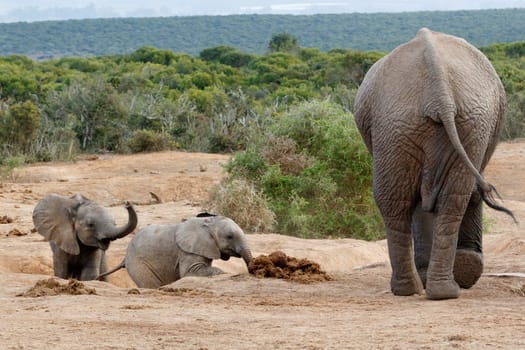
122	231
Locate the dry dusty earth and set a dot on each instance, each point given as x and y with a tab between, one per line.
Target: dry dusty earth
354	310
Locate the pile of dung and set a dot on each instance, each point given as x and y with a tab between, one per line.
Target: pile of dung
279	265
52	287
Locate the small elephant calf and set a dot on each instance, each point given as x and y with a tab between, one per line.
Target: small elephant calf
79	232
161	254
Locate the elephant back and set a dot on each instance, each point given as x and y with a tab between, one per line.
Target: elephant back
152	256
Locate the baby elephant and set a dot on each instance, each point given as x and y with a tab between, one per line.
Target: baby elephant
79	232
161	254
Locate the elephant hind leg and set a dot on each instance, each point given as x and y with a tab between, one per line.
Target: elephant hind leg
448	217
422	229
395	194
468	264
397	216
405	279
468	267
145	274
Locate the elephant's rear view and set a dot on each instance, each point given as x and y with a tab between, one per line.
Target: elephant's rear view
430	114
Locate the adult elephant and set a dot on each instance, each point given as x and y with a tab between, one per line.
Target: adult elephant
430	114
79	232
161	254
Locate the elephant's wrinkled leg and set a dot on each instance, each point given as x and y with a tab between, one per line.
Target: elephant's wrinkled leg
449	214
468	264
60	261
198	266
103	267
396	197
422	226
91	265
404	280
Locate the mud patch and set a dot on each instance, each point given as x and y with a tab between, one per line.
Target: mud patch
51	287
16	232
6	220
279	265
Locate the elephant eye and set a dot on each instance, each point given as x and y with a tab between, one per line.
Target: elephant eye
229	236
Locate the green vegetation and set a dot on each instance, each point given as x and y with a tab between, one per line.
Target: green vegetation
251	33
299	164
509	62
314	171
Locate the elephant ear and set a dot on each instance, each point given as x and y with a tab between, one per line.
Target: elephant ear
53	218
198	236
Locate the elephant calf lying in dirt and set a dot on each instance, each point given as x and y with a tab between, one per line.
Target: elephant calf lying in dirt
79	232
161	254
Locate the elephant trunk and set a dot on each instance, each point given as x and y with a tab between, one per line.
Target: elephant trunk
122	231
247	256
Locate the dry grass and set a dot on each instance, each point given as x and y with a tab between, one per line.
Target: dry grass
240	201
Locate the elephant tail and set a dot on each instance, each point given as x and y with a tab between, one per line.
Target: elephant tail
488	198
485	189
115	269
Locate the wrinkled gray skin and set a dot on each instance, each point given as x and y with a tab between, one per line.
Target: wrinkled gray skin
161	254
79	232
430	113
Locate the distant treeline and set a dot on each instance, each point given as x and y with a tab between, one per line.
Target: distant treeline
251	33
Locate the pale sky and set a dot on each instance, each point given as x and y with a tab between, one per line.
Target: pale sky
37	10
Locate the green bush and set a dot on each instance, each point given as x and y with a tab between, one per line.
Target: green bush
19	126
315	172
8	165
514	123
149	141
247	164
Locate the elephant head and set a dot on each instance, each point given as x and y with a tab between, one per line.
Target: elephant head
66	221
213	237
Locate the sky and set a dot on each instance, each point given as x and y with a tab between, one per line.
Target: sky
39	10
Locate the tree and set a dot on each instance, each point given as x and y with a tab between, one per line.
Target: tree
20	125
283	42
226	55
97	112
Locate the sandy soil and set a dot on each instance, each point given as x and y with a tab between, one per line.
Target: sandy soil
354	309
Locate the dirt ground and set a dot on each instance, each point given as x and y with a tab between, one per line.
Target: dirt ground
353	309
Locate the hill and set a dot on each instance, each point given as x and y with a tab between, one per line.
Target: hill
251	33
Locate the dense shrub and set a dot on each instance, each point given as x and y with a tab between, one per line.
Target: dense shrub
315	172
19	125
514	122
149	141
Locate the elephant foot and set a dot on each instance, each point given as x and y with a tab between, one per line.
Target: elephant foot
406	287
468	267
442	289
